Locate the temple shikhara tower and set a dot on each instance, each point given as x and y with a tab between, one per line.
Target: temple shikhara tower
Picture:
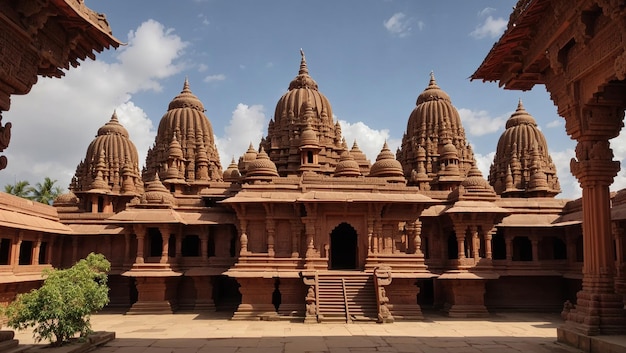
304	226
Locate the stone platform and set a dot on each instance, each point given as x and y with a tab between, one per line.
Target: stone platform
216	333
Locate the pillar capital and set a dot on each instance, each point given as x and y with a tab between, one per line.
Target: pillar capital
594	164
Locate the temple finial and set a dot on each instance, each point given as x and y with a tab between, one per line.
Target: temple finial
304	70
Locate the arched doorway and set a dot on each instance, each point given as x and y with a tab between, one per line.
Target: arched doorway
343	248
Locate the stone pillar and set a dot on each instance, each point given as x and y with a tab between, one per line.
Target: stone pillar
417	238
292	294
598	310
465	297
127	236
15	250
140	233
204	293
270	227
508	240
460	240
534	241
51	249
35	258
243	237
155	295
204	244
402	294
296	232
165	237
370	234
475	242
488	236
620	276
310	236
256	299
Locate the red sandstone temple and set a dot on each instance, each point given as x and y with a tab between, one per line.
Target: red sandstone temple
304	226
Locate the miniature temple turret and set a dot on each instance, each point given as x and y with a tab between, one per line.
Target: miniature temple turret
185	117
109	174
360	158
522	166
434	143
387	167
301	108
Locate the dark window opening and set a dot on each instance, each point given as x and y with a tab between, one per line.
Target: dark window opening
579	249
276	296
453	247
156	242
171	246
43	249
233	242
211	245
191	246
100	204
172	188
209	202
425	248
522	249
5	251
498	245
26	253
309	157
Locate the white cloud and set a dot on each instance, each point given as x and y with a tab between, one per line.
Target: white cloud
480	122
491	27
370	141
399	25
247	125
486	11
213	78
56	121
202	67
570	189
555	123
483	162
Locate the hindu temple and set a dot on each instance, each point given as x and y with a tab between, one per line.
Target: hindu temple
303	226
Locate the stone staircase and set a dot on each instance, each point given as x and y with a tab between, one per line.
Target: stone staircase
346	297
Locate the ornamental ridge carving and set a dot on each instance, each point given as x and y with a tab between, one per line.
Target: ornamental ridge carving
620	66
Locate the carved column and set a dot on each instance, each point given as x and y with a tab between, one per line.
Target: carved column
370	234
534	241
309	228
126	246
417	237
508	241
599	310
140	233
204	244
618	237
475	242
270	227
165	236
488	236
35	258
459	230
296	231
15	249
243	237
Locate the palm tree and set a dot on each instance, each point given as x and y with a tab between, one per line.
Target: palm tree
46	192
20	188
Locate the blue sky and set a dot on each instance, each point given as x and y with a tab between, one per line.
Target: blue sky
371	59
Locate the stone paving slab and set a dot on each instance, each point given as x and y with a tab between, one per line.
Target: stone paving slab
215	333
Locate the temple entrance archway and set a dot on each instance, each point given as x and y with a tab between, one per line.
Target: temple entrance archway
343	248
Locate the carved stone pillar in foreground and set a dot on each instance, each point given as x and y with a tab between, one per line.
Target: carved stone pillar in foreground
598	310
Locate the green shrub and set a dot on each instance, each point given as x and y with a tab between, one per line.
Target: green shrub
62	306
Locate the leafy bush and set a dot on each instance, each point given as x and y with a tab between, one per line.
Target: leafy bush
62	306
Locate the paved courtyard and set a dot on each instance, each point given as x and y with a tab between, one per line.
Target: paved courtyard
215	333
